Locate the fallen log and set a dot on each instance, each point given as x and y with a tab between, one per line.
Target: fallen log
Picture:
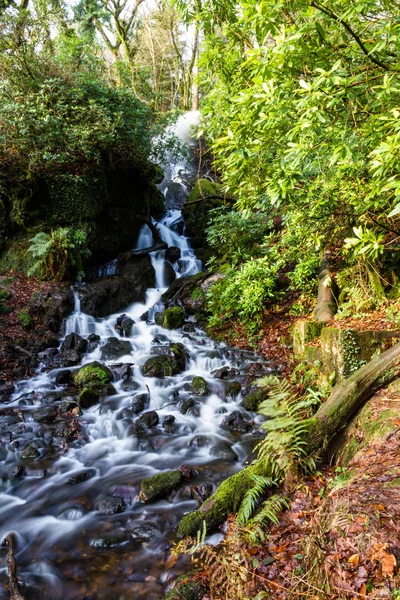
12	568
346	398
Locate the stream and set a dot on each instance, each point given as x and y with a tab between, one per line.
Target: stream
81	529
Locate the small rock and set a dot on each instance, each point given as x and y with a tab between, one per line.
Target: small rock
63	377
171	318
236	421
233	389
144	532
224	451
81	476
122	371
112	506
115	348
45	414
188	472
70	358
201	493
140	402
93	342
168	420
225	373
148	419
253	400
29	453
199	441
124	325
173	253
129	385
189	406
199	386
74	341
6	391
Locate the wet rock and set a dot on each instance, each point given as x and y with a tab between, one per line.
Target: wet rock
111	541
91	394
81	476
112	506
74	341
63	377
199	441
148	419
233	389
171	318
189	328
136	428
52	306
58	445
115	348
188	472
129	385
70	358
166	366
225	373
159	486
69	407
45	414
189	406
173	253
199	386
6	391
169	273
224	451
69	430
140	402
236	421
122	371
29	453
168	420
114	293
124	325
160	339
92	372
145	316
93	342
202	492
17	472
253	400
144	532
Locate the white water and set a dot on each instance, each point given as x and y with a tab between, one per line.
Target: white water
56	522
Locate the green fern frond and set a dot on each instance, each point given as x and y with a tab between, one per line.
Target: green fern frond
252	497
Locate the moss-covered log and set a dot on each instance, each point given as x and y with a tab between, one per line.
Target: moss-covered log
345	399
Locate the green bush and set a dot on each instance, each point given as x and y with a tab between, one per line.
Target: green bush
59	254
25	319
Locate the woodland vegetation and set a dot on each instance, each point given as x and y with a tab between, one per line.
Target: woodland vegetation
300	135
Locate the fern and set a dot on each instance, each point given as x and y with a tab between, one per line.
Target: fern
267	514
57	252
252	497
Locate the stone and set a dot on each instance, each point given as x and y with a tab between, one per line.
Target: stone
74	341
148	419
45	414
253	400
166	366
81	476
199	386
173	253
199	441
112	506
168	420
160	485
92	372
111	541
6	391
69	430
29	453
91	394
122	371
233	389
144	532
188	472
225	373
140	402
63	377
189	406
115	348
201	492
236	421
224	451
70	358
93	342
124	325
171	318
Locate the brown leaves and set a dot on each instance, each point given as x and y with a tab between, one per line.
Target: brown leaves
387	561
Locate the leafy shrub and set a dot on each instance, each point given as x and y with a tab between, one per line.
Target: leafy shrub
25	319
3	298
58	254
244	292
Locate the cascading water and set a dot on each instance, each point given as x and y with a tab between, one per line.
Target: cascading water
81	529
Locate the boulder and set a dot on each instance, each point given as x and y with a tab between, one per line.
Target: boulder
29	453
159	486
189	406
199	386
6	391
93	342
144	532
199	441
140	402
115	348
92	372
171	318
63	377
224	451
236	421
173	253
124	325
167	366
74	341
93	392
253	400
112	506
148	419
112	294
52	306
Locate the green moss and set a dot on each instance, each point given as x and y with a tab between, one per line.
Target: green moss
186	589
159	366
197	293
205	196
171	318
254	399
224	501
92	372
159	486
199	386
25	319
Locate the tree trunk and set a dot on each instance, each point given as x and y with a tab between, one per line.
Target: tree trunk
326	305
345	399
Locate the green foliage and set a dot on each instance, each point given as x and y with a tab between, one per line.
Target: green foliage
267	514
25	319
4	295
252	497
245	292
58	254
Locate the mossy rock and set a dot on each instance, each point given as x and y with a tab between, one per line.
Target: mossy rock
91	394
92	372
205	196
186	589
159	486
159	366
199	386
254	399
171	318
